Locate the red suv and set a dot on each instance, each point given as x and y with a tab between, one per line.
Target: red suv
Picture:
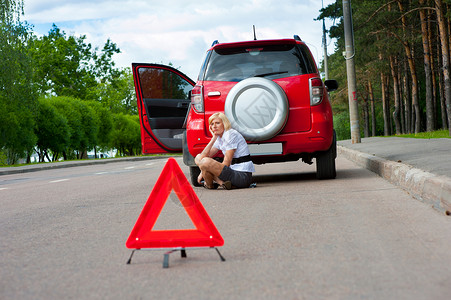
270	90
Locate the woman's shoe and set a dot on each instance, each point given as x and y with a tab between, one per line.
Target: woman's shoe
214	187
227	185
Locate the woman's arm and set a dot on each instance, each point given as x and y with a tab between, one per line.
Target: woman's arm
208	151
228	157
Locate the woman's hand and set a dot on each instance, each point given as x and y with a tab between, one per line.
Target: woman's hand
199	178
211	130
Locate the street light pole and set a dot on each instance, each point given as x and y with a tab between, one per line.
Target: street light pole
350	69
326	68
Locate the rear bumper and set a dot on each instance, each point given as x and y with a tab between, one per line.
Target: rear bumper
294	144
318	139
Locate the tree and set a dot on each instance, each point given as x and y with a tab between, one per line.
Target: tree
444	41
118	93
105	119
52	130
430	116
62	64
389	30
18	98
64	106
125	136
69	66
89	128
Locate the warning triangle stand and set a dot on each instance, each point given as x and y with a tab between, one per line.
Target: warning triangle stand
143	236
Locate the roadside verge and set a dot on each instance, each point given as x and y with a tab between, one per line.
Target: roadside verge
68	164
434	190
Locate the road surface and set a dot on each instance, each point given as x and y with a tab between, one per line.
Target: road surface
63	233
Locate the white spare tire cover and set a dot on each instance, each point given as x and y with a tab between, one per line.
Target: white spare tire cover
257	108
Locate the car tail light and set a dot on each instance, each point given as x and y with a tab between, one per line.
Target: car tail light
316	91
197	99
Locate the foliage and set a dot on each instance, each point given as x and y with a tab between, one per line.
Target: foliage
342	126
52	130
117	94
87	85
18	97
83	125
68	66
125	136
385	30
105	121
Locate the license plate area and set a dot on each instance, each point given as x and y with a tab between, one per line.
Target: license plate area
265	149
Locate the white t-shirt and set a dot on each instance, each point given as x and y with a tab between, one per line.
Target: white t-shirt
232	139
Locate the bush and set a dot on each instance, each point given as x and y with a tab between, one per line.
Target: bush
342	126
125	136
52	130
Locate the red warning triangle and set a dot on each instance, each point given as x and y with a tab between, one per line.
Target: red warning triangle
142	235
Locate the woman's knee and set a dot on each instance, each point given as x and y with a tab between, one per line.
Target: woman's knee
204	163
197	159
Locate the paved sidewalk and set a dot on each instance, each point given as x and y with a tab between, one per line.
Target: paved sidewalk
420	166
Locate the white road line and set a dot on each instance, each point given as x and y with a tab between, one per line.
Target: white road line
3	189
101	173
59	180
128	168
149	164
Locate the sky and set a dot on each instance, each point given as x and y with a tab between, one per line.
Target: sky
178	31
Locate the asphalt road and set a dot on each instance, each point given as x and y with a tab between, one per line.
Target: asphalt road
63	233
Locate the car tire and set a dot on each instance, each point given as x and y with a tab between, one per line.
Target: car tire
193	174
325	162
257	108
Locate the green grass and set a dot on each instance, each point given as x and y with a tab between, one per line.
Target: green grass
439	134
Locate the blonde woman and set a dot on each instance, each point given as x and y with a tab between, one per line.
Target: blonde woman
236	168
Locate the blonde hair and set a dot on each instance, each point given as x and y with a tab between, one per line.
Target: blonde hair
223	118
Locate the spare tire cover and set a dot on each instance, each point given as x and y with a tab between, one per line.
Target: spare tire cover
257	108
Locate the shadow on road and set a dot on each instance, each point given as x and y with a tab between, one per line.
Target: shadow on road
284	177
289	177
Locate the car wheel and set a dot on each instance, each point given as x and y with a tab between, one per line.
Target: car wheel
193	174
325	162
257	108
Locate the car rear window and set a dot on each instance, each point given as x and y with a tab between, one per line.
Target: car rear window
273	61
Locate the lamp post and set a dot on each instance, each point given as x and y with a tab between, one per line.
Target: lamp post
350	70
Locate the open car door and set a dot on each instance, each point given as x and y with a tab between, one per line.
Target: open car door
163	101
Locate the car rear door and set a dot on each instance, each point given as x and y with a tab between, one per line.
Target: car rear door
163	101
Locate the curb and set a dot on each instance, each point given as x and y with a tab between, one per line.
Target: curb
70	164
429	188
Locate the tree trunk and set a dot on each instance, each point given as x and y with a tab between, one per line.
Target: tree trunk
441	90
406	97
366	121
413	73
430	117
373	111
401	106
46	154
396	113
445	57
433	66
385	105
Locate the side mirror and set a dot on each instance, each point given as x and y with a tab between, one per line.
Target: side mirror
331	84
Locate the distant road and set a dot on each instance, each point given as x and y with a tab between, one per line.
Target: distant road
63	233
